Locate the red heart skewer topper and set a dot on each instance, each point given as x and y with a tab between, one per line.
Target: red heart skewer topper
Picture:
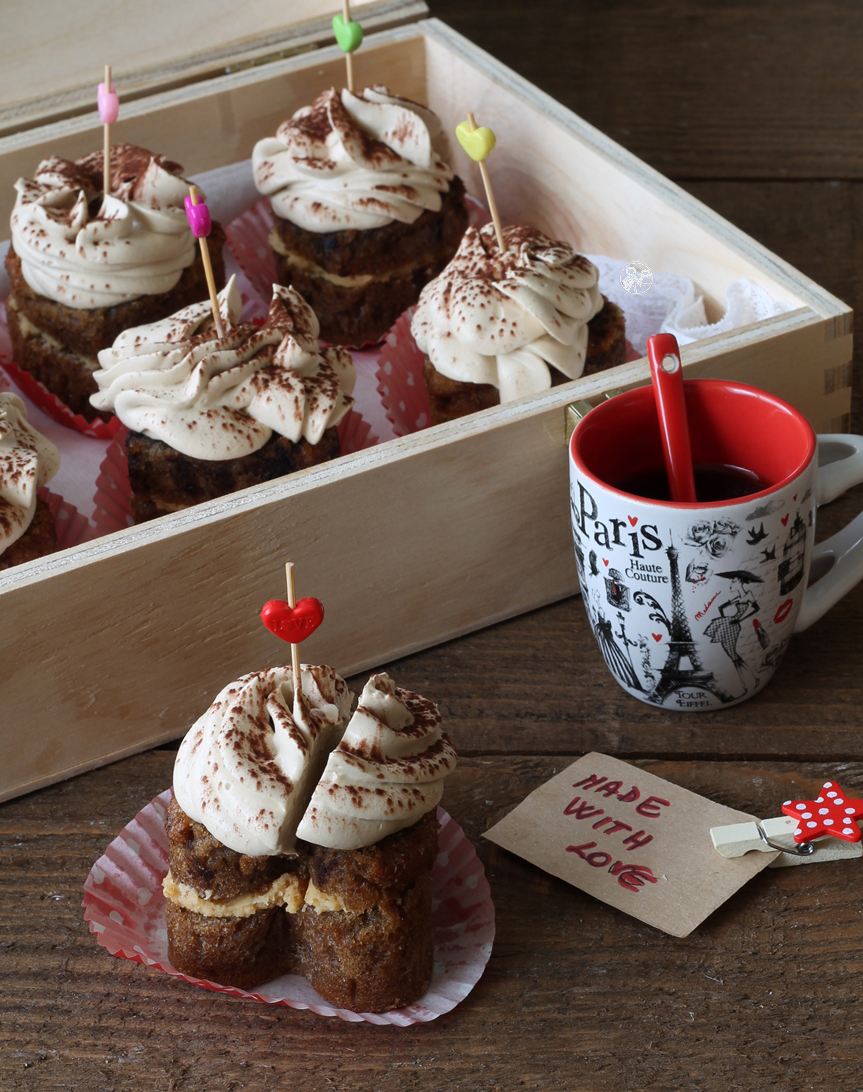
293	624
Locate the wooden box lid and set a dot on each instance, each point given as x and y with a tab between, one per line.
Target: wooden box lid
54	56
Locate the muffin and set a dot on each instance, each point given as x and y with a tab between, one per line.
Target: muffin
28	460
494	326
243	777
84	266
366	210
209	415
365	924
302	843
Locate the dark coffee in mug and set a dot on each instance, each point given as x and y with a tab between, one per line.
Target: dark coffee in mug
713	482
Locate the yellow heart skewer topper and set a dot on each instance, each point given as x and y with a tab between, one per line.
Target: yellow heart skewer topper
478	142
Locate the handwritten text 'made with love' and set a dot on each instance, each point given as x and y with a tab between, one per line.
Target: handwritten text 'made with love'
631	876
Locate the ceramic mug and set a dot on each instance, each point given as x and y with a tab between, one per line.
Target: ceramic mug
693	605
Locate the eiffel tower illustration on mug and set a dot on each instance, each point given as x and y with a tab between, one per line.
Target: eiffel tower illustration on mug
681	647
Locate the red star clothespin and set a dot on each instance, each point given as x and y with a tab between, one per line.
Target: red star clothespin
832	813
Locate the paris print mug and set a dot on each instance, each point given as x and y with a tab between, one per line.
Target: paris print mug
693	605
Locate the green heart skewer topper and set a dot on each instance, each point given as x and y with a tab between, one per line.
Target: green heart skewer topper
349	36
478	142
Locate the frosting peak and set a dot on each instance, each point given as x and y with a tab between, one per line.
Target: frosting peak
210	398
353	161
386	773
504	318
247	767
83	248
28	460
267	764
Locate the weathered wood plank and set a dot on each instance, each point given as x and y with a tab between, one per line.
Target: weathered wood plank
576	995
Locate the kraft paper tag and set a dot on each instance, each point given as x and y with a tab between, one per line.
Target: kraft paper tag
631	839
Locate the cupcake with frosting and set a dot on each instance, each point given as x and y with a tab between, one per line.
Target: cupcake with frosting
28	460
85	265
365	209
301	841
372	823
496	326
209	415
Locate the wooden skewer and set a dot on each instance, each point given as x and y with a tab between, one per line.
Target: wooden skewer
292	602
486	181
208	270
349	64
106	147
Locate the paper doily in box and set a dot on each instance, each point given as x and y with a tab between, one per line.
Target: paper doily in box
124	905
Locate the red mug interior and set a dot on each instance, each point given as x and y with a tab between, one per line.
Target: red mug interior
729	424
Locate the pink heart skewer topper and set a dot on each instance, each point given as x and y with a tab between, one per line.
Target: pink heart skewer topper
293	621
109	109
198	216
109	104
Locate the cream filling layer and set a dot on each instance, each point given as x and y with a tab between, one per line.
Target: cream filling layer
322	902
356	280
35	333
284	891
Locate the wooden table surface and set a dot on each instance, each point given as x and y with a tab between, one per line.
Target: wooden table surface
756	109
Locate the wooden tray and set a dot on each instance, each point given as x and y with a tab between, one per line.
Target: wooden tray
119	644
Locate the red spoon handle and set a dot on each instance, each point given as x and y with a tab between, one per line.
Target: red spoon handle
667	374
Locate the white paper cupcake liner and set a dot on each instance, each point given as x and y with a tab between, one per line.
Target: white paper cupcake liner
125	908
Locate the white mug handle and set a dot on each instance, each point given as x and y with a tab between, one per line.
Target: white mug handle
837	563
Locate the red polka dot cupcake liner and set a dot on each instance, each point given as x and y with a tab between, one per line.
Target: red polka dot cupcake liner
125	909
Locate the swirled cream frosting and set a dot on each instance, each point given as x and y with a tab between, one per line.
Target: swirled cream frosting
177	381
28	460
386	773
83	248
353	161
504	318
247	768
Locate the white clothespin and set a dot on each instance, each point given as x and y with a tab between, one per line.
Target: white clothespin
777	836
